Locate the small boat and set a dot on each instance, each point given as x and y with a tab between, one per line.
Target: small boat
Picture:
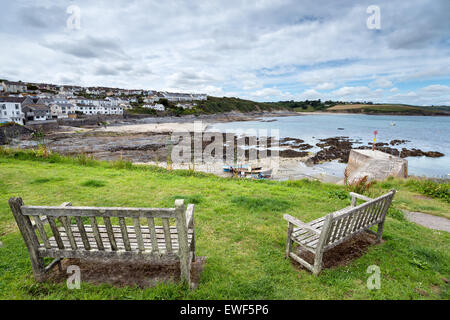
242	167
393	124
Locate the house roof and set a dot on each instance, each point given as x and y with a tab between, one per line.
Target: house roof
37	107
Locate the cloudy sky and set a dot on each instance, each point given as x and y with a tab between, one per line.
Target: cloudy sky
258	49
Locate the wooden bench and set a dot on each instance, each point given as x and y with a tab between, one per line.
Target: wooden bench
327	232
75	232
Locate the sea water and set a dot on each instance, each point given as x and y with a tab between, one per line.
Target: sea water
427	133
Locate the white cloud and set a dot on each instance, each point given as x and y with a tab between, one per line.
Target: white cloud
410	94
325	86
310	94
382	83
351	91
436	88
267	92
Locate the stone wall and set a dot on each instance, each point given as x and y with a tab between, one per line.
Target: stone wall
89	120
43	126
11	131
376	165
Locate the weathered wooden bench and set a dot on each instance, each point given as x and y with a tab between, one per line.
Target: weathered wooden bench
75	232
327	232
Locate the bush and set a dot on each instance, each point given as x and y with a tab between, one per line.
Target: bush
435	189
360	186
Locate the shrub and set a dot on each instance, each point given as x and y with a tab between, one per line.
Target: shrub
360	186
435	189
85	159
338	194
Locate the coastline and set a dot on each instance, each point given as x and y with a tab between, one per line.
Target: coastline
147	140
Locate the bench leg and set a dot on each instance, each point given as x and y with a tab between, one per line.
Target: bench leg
30	238
380	231
185	269
289	240
38	266
317	263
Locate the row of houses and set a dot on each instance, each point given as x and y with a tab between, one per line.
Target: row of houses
174	97
23	109
68	90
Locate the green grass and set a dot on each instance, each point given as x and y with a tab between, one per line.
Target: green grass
389	109
420	195
239	228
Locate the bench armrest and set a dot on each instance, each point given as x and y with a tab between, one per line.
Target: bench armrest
358	196
190	215
300	224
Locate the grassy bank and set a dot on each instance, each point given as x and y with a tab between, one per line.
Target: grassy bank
388	109
239	228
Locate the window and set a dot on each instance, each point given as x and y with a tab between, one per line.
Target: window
17	106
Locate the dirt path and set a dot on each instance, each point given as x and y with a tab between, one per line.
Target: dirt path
428	220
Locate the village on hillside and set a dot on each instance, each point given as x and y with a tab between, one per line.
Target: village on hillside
28	103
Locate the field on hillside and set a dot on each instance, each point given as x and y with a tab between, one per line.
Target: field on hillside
239	228
384	108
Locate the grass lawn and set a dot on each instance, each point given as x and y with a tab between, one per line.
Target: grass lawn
384	108
239	228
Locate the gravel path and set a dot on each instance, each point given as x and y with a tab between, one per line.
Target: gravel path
428	220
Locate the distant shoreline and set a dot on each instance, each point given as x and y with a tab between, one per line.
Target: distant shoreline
437	114
255	116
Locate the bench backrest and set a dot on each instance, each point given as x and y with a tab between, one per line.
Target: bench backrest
84	222
338	227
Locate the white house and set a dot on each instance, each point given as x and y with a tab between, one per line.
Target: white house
185	105
200	96
157	107
14	87
113	110
62	110
103	109
88	109
11	110
182	97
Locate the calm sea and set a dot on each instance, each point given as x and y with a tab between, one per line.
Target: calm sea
425	133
